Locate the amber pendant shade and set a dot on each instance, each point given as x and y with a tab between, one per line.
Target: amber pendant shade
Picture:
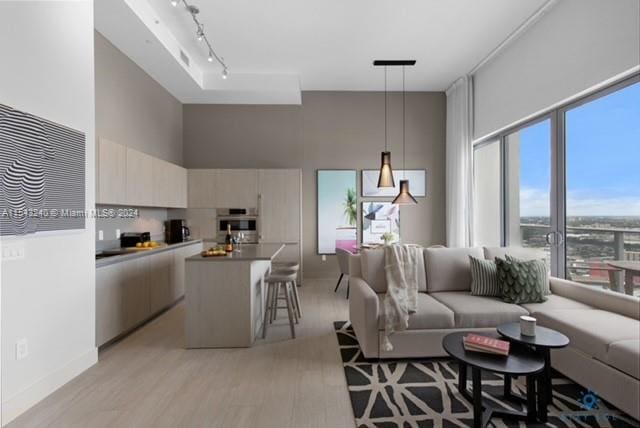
385	178
404	197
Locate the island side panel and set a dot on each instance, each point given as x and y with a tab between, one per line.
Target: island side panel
259	269
218	300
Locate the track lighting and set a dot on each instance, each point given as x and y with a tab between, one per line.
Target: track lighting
201	36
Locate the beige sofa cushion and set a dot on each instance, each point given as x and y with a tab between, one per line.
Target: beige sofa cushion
372	270
625	356
431	314
478	311
554	303
591	330
521	253
449	269
608	300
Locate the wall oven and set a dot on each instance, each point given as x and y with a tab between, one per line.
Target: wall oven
243	222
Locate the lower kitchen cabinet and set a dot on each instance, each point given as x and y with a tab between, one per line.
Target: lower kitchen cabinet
130	292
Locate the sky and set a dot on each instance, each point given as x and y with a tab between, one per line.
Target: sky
603	159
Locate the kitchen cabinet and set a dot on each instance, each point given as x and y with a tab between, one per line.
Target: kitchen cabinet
130	292
236	188
161	181
111	161
201	188
279	193
139	178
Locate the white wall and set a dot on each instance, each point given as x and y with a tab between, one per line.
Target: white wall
578	44
48	297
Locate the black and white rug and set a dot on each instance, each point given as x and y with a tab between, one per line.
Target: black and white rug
423	393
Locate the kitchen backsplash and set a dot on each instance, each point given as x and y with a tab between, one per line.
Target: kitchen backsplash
148	220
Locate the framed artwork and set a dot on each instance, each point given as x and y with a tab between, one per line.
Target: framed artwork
417	182
337	210
42	175
379	218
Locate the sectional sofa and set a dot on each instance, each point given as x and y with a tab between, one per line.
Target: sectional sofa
603	326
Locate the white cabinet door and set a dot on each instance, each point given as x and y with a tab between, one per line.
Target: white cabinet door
177	271
135	292
109	303
280	205
181	187
161	179
111	178
139	178
201	188
159	277
236	188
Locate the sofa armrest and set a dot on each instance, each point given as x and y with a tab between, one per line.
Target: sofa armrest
602	299
363	314
355	267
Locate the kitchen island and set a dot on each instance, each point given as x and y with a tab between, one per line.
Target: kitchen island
224	296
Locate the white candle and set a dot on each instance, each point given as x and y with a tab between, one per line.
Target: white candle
527	326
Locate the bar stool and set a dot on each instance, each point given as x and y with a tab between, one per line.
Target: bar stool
290	267
275	281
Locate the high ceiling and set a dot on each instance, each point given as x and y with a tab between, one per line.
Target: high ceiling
274	49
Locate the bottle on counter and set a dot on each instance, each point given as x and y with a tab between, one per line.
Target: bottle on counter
228	240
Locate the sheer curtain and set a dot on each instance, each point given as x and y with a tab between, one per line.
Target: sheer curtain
459	170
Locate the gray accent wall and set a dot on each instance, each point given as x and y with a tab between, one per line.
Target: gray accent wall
330	130
133	109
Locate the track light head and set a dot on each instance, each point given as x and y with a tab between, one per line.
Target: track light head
210	58
174	3
225	73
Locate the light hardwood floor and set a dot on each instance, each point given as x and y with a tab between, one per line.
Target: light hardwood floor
148	379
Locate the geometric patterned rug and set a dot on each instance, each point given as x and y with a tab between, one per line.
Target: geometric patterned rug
424	393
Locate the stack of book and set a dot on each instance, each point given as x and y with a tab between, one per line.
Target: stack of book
489	345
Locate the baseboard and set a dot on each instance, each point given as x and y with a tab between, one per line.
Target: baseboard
27	398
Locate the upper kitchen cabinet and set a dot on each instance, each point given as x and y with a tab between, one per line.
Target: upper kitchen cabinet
129	177
111	182
223	188
280	204
236	188
201	188
139	178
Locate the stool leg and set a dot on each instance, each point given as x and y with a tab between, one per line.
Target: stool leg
267	309
274	303
293	302
289	310
297	299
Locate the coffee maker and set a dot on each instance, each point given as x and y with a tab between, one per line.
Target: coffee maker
176	231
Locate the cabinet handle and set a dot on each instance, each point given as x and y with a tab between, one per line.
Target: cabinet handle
259	217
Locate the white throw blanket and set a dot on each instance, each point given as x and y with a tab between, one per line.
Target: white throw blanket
401	270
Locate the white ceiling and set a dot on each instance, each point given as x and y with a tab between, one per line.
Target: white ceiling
275	48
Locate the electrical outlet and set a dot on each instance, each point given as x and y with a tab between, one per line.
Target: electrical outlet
22	349
324	258
117	233
100	235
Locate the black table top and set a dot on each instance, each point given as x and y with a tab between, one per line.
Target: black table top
519	362
544	338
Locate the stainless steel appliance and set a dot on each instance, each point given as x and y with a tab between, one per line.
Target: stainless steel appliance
243	222
176	231
130	239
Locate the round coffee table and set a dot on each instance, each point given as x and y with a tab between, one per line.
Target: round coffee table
543	342
517	363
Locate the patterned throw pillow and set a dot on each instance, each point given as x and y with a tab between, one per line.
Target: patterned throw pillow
521	281
542	266
484	278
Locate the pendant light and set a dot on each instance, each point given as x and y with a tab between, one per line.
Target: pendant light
404	196
385	178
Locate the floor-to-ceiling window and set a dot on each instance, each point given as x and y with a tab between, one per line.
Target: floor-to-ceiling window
569	185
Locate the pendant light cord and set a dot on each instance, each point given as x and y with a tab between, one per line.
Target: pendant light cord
385	108
404	151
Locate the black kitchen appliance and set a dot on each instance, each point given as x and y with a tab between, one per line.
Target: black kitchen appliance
176	231
130	239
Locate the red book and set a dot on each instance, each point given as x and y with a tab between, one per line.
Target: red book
476	342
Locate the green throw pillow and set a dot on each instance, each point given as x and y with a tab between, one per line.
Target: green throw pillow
484	278
521	281
542	266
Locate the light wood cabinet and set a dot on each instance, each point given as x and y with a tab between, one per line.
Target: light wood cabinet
111	182
139	178
161	180
236	188
201	188
279	194
130	292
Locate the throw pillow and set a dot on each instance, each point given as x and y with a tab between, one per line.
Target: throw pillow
521	281
484	278
542	266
